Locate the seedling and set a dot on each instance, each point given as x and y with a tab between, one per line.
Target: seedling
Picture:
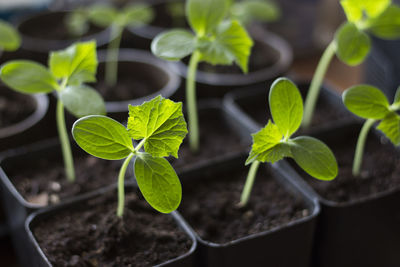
274	142
370	103
214	41
352	43
161	127
68	70
247	11
9	37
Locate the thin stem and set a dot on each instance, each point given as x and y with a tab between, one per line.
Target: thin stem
112	55
251	176
191	102
121	186
65	144
139	146
362	138
316	82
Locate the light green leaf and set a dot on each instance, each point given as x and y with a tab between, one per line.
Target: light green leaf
28	77
78	63
286	106
173	45
390	126
161	122
205	15
314	157
9	37
355	9
387	25
82	100
77	22
267	145
397	96
136	15
102	15
102	137
231	44
158	182
258	10
353	45
366	101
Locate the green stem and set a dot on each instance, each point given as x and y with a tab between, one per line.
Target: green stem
112	55
121	186
139	146
316	82
251	176
65	144
362	138
191	102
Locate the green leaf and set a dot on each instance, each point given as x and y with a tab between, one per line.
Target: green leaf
136	15
78	63
390	126
102	137
286	106
28	77
102	15
9	37
173	45
397	96
205	15
366	101
353	45
267	146
314	157
161	122
158	182
77	22
82	100
259	10
354	9
387	25
231	44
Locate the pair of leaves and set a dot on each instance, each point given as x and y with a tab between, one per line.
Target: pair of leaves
9	37
161	124
218	41
76	64
369	102
273	142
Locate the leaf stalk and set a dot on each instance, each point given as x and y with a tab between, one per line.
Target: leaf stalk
111	71
244	199
362	138
121	186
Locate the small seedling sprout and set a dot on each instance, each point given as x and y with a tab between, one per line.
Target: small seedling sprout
215	40
247	11
370	103
352	43
273	142
9	37
68	70
161	127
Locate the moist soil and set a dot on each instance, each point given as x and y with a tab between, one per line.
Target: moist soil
217	139
92	235
380	171
51	26
14	107
43	180
209	204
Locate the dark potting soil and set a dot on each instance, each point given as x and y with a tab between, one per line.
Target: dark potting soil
209	205
216	139
14	107
380	171
43	180
135	80
51	26
92	234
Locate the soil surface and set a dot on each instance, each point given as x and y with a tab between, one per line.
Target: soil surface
92	234
380	170
209	205
43	180
14	107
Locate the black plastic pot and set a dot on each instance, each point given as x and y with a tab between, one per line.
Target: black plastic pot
285	245
363	232
39	258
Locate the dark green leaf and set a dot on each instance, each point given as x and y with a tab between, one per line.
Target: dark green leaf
390	126
102	137
158	182
173	45
9	37
387	25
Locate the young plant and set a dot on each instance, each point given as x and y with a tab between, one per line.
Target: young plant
107	16
9	37
161	127
68	70
352	43
274	142
370	103
214	41
247	11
